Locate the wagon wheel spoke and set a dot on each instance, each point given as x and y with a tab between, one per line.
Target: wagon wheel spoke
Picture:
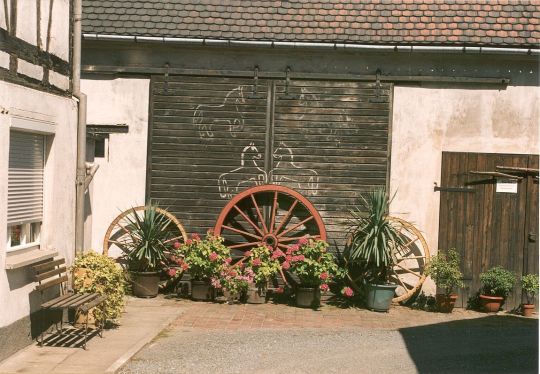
286	216
400	281
259	213
173	239
296	226
411	258
241	232
243	245
283	246
274	210
294	238
409	243
409	271
248	220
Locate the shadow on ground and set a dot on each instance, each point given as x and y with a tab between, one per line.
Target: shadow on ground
493	344
69	337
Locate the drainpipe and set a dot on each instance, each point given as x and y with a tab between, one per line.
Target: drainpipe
80	181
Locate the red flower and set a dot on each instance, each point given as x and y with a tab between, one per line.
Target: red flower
185	266
288	258
171	272
292	248
213	256
189	241
347	292
232	273
228	260
247	253
257	262
286	265
324	287
279	290
277	254
301	257
302	241
176	244
324	276
195	237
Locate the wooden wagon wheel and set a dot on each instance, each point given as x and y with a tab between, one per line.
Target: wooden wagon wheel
412	258
271	214
117	233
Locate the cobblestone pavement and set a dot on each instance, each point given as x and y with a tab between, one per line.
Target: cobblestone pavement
269	338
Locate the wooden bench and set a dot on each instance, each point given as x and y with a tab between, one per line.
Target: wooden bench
53	275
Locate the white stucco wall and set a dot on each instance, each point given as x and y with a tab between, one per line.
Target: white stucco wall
119	184
428	121
58	229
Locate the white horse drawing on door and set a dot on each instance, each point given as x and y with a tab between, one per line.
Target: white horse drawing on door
229	183
304	179
206	125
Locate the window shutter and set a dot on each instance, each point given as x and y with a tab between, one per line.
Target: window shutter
25	177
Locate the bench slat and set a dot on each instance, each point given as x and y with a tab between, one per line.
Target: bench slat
48	265
66	303
56	300
86	297
86	307
51	273
51	283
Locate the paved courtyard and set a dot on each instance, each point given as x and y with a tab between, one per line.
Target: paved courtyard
220	338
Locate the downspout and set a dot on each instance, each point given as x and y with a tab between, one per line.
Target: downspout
80	181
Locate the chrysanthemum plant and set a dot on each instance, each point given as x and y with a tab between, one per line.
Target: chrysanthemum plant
203	257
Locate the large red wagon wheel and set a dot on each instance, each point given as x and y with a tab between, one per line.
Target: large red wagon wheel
269	214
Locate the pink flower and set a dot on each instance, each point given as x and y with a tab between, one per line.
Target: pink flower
257	262
195	237
213	256
288	258
302	241
189	241
286	265
301	257
185	266
292	248
347	292
232	273
215	282
324	287
279	290
247	253
277	254
324	276
176	244
171	272
228	260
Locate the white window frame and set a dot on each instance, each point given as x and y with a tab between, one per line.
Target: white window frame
44	127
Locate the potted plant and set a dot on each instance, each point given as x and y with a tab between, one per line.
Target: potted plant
233	281
497	282
145	249
96	273
204	259
262	263
314	266
373	244
445	272
529	283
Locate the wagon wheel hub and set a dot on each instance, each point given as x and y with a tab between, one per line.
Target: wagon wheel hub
271	240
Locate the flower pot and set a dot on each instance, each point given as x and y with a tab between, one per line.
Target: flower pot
145	284
86	276
527	310
231	297
380	296
308	297
201	290
256	295
445	303
491	304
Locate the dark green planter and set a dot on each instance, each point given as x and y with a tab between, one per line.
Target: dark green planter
145	284
380	296
308	297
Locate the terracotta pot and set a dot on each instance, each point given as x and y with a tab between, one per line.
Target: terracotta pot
86	276
491	304
527	310
201	290
145	284
445	303
308	297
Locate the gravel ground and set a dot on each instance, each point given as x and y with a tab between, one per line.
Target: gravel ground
490	345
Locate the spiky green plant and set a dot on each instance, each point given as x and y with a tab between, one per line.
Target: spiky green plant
374	240
149	236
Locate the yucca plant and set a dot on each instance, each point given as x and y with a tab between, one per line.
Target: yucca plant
374	240
149	236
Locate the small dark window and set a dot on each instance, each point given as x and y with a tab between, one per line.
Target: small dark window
99	148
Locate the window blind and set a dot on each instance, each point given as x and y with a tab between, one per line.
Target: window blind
25	178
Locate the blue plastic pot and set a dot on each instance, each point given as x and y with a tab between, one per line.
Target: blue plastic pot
380	296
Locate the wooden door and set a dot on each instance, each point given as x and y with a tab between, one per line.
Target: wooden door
487	218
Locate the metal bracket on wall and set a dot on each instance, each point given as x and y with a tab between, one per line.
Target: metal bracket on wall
453	189
378	89
166	79
255	93
288	95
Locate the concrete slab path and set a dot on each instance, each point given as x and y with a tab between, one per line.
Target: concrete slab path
142	321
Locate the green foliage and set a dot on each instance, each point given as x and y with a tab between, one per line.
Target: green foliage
103	276
148	241
424	302
529	283
497	281
205	258
374	239
263	265
444	269
312	263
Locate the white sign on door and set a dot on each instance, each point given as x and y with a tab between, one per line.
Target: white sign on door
507	186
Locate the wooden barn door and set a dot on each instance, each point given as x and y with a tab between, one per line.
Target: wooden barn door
489	213
213	137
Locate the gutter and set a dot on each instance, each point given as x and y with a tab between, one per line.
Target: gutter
307	45
82	180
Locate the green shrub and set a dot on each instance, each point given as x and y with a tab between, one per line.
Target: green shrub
529	283
497	281
105	277
445	272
